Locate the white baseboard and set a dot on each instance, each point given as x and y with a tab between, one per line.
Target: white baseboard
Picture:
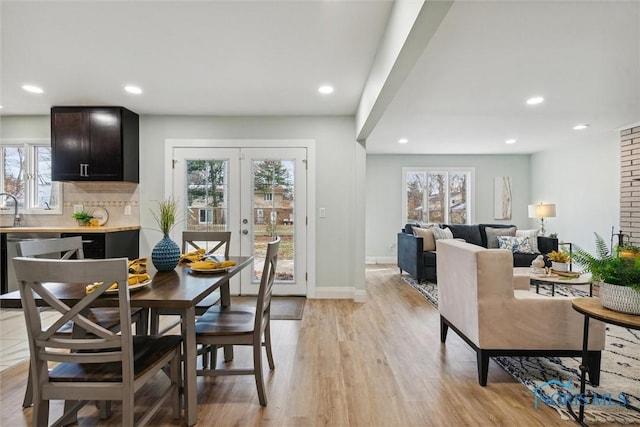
381	260
340	292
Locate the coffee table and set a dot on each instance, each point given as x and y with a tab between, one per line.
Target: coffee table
556	279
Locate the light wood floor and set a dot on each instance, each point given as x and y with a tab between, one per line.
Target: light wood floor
348	364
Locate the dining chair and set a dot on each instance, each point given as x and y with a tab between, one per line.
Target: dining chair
212	242
107	317
100	365
243	325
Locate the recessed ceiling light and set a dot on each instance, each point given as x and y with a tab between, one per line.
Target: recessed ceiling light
133	89
403	141
325	90
32	89
580	126
510	141
535	100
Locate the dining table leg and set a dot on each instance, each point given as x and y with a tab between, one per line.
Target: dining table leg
190	359
225	301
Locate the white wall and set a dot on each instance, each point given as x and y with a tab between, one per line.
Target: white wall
339	164
384	194
337	263
584	183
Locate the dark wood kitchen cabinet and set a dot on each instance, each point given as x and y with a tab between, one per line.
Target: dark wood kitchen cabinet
109	245
94	144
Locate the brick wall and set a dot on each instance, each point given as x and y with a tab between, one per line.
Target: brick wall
630	183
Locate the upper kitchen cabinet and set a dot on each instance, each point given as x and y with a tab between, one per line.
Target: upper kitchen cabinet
94	144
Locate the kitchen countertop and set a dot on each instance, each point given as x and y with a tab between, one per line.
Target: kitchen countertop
70	229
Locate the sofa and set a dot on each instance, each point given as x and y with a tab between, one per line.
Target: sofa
418	257
477	300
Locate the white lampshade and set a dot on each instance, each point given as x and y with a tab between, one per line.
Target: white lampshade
542	210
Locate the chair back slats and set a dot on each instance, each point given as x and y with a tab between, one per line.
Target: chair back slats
212	240
62	248
263	304
32	273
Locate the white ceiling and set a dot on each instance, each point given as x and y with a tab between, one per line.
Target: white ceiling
465	94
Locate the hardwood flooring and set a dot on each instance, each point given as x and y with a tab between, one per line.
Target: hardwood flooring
347	364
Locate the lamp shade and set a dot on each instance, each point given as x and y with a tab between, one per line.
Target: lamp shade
542	210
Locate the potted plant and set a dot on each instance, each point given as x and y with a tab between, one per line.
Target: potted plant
83	217
619	276
166	254
559	260
628	251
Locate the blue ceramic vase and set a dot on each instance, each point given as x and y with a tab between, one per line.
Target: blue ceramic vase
165	255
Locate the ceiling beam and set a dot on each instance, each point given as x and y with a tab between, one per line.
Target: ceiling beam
410	28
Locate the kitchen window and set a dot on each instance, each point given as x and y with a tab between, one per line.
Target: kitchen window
26	173
438	195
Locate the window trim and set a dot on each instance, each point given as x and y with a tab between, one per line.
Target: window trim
30	144
436	169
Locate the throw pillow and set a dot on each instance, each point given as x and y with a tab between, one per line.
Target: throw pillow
533	238
441	233
493	233
428	241
515	244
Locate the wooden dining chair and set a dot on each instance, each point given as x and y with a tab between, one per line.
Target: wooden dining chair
107	317
101	364
243	325
215	243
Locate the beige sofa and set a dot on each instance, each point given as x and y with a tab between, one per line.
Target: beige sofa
477	299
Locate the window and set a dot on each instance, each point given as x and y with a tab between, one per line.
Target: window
26	174
442	195
206	216
268	197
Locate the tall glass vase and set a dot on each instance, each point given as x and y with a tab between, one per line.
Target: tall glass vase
166	254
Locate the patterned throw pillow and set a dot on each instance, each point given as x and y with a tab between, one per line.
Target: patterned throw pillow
533	238
493	233
441	233
515	244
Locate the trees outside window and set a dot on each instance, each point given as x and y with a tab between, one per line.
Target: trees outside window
26	173
440	195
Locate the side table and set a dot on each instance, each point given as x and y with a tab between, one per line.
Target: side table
592	308
554	280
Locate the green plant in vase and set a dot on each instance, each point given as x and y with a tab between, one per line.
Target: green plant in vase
83	217
619	276
166	254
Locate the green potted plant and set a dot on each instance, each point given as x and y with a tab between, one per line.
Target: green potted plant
619	276
83	217
559	260
166	254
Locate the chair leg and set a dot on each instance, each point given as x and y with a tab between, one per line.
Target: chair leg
28	393
257	370
444	328
483	367
213	356
176	382
267	345
41	412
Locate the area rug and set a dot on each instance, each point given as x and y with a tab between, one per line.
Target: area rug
282	308
550	379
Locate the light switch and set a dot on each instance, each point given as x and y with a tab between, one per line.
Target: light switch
127	210
323	213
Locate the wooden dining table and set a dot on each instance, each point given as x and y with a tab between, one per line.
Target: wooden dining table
181	290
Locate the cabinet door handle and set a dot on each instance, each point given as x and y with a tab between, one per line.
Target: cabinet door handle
84	169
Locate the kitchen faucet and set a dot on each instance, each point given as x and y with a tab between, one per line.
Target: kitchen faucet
16	218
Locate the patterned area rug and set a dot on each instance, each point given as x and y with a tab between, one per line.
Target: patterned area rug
550	379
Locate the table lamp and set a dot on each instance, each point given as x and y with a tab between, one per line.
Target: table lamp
542	211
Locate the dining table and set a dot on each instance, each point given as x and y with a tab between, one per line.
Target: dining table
180	290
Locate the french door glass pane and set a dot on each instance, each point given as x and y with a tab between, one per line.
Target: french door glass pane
273	202
206	195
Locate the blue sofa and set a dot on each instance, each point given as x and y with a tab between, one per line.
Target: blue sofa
422	265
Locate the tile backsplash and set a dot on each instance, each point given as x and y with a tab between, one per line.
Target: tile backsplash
113	196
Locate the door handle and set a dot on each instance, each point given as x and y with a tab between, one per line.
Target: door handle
245	231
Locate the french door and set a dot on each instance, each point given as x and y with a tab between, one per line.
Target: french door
257	194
